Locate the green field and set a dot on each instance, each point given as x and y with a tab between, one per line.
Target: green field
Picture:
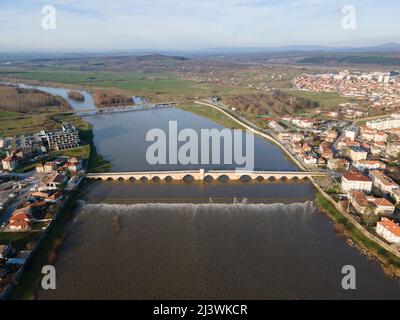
212	114
154	86
326	100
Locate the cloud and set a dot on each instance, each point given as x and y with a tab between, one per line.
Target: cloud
185	24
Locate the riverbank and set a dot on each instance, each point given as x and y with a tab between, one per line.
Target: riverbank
211	114
389	262
46	253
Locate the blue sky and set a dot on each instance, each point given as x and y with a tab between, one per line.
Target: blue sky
102	25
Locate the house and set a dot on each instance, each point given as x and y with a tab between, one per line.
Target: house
331	136
57	181
383	206
363	165
356	181
383	182
357	154
338	164
40	168
20	222
352	133
396	195
51	196
327	154
388	230
309	160
10	163
49	167
360	202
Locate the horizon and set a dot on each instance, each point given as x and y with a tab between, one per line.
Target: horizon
139	25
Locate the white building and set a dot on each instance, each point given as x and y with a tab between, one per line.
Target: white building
358	154
353	181
385	124
383	182
10	163
388	230
67	138
363	165
352	133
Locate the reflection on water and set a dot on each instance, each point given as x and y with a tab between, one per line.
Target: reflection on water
187	251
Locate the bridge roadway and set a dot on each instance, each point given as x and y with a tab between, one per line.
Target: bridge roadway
202	174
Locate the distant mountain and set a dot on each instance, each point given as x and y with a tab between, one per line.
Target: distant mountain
387	47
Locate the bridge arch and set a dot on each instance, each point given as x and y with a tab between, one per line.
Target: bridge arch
188	178
245	178
223	178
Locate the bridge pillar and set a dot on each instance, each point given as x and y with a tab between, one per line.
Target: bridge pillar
201	174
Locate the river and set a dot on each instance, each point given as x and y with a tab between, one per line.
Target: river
218	240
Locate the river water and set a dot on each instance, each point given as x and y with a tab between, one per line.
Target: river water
218	240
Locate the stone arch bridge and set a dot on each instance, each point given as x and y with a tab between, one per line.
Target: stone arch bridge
202	174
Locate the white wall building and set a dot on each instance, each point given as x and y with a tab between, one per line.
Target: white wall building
388	230
356	181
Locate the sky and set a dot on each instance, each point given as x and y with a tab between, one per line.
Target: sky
117	25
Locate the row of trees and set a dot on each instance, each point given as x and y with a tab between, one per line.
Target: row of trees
275	103
26	100
111	98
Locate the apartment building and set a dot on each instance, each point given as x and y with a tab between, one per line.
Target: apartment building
357	154
383	182
385	124
356	181
67	138
388	230
363	165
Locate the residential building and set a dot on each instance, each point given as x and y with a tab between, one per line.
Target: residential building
393	149
388	230
57	181
338	164
20	222
396	196
357	154
49	167
383	206
352	133
356	181
67	138
360	202
363	165
10	163
383	182
385	124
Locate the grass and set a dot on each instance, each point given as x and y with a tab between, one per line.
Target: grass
356	234
8	114
154	86
24	125
19	240
326	100
212	114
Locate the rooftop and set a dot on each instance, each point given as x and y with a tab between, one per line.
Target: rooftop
391	226
356	176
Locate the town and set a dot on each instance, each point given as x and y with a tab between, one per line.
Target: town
31	199
362	150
